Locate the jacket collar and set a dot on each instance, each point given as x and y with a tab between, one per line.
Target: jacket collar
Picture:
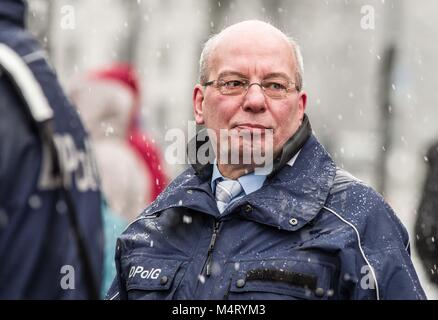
298	192
295	195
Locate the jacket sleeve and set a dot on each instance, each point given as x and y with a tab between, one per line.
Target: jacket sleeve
388	274
386	246
426	227
395	275
378	262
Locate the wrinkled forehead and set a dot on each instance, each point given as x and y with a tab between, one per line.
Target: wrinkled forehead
261	50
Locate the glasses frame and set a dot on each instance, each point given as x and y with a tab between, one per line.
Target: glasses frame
217	84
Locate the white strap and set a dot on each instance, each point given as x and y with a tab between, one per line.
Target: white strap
29	87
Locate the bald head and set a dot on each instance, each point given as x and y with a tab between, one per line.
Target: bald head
251	27
250	32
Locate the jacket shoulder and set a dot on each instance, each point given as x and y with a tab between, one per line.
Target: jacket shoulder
366	210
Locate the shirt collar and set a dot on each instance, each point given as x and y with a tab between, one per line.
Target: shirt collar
250	182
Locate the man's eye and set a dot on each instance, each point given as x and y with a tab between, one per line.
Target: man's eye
275	86
234	84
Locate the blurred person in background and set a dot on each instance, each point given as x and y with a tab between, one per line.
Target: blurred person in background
51	239
426	227
303	229
129	163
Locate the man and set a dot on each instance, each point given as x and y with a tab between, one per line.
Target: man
303	230
50	218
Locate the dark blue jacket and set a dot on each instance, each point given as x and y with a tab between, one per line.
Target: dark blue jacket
311	232
37	248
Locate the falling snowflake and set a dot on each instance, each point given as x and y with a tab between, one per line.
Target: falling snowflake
61	207
35	202
187	219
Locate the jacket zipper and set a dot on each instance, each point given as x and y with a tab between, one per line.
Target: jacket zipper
211	248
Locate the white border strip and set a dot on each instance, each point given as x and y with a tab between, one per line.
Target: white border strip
27	84
140	218
114	296
360	248
35	56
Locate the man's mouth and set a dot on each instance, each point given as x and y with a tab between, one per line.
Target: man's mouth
251	127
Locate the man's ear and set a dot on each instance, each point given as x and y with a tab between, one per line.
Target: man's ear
198	104
302	101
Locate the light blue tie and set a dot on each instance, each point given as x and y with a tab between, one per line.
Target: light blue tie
226	190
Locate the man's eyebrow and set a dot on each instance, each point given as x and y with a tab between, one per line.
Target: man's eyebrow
241	75
278	75
231	73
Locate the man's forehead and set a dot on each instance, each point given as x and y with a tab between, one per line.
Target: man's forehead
239	37
246	56
250	41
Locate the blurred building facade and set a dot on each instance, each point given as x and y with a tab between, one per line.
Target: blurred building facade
374	114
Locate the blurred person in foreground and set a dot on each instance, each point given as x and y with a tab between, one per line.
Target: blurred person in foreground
426	227
294	226
51	240
129	163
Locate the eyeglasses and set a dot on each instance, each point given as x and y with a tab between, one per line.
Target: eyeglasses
273	88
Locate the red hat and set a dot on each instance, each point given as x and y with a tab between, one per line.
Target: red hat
124	73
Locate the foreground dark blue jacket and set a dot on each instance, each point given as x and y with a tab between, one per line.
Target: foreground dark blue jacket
311	232
38	254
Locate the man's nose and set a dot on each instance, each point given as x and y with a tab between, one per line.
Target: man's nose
255	100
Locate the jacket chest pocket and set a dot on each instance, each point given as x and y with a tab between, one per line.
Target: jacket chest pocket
150	278
281	280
